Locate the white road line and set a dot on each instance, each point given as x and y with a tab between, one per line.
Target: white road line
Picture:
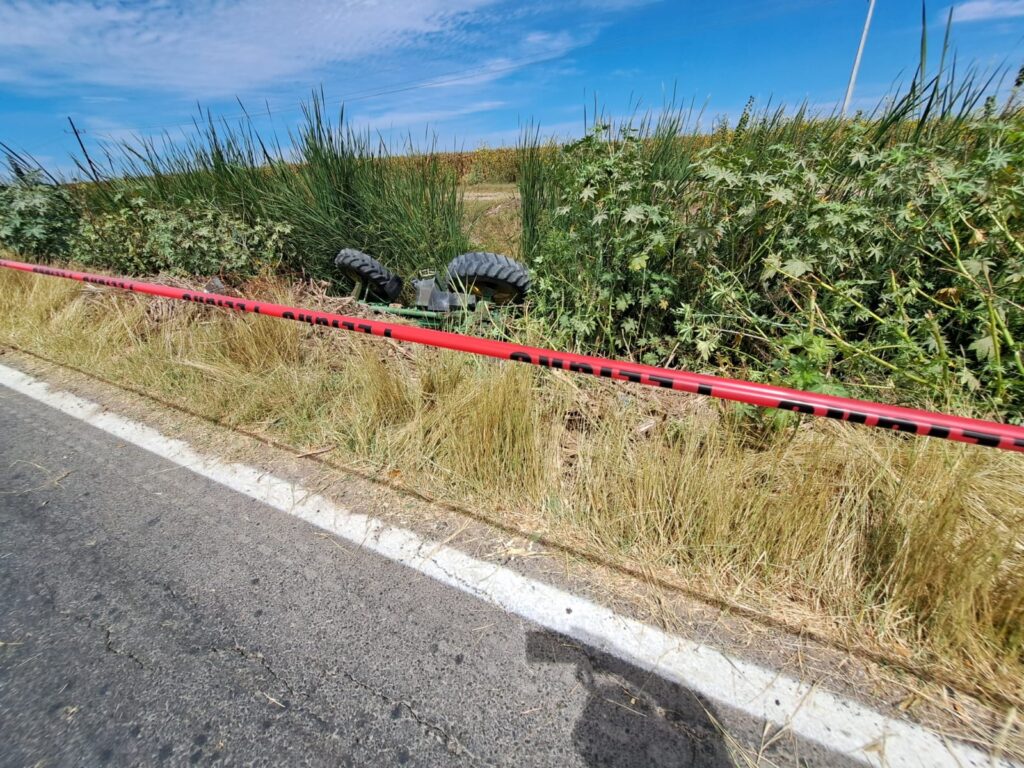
810	712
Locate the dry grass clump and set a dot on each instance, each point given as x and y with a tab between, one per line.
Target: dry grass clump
909	547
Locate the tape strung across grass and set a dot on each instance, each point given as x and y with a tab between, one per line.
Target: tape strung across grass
927	423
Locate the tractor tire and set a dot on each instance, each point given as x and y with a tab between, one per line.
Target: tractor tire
380	282
489	276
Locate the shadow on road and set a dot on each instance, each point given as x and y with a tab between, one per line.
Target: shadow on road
632	717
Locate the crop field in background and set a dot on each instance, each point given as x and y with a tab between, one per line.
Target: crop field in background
879	256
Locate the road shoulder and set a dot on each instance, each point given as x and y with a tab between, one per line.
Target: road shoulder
466	531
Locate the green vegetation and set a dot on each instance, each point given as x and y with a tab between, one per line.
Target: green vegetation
36	219
140	239
881	253
826	254
332	188
606	261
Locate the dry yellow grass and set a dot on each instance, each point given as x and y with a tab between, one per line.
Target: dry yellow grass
492	219
911	548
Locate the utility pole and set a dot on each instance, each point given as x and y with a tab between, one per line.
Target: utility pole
856	61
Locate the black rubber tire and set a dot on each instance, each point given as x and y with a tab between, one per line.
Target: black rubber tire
381	283
489	276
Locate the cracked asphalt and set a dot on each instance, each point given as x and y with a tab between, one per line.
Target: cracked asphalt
149	616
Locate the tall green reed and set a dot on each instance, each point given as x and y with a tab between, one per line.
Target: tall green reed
331	185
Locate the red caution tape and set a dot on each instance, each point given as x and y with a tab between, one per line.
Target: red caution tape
974	431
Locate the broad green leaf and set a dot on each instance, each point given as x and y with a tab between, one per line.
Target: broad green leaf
983	348
796	267
781	195
634	214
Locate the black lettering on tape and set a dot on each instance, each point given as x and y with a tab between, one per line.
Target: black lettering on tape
983	438
897	424
790	405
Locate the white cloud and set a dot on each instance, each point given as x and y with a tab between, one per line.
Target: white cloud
89	99
534	48
495	69
614	5
988	10
404	118
102	129
210	48
125	69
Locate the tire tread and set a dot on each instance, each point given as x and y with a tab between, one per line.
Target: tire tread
464	269
381	282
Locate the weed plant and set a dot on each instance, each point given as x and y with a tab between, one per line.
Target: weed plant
883	252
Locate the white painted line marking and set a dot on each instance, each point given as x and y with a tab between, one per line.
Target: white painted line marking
812	713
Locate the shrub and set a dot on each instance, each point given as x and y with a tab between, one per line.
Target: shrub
846	261
825	254
609	249
36	219
140	239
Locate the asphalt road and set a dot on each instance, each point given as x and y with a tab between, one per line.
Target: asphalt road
149	616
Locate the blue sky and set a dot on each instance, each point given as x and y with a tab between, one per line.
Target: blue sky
470	71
